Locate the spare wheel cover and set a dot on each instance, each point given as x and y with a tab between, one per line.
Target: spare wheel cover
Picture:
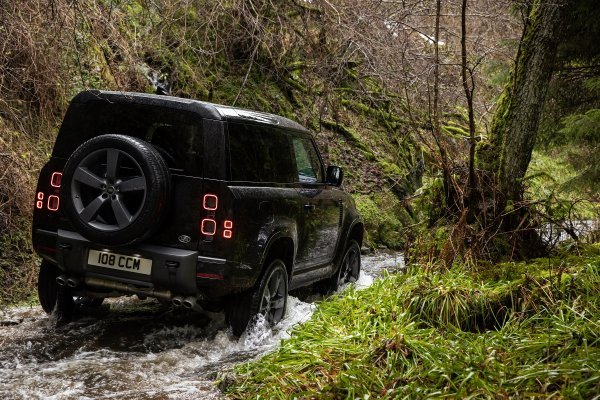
115	189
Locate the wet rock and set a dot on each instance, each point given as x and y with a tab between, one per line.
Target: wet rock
10	322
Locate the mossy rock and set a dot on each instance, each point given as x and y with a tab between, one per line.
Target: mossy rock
384	218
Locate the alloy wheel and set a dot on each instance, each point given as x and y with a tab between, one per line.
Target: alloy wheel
272	304
350	268
108	189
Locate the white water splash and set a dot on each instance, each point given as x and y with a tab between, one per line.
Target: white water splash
139	350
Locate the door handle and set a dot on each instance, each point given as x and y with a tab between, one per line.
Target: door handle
309	207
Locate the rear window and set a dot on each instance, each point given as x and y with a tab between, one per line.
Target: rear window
260	154
176	134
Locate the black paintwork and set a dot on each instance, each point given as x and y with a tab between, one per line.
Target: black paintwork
309	224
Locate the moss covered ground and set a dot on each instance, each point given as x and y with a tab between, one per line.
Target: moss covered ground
514	330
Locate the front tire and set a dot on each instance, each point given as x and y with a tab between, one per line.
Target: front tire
267	298
347	272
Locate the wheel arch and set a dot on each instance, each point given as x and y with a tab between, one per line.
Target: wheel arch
357	233
282	247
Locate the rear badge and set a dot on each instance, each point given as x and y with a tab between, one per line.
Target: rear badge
185	239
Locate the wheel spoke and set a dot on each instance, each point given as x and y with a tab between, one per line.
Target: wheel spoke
112	163
121	213
87	177
134	184
274	284
347	268
352	259
90	212
278	303
352	267
265	300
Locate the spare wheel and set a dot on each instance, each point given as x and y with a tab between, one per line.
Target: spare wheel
115	189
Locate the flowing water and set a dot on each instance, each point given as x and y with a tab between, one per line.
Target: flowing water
132	349
551	234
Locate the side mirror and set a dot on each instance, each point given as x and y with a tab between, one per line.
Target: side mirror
335	175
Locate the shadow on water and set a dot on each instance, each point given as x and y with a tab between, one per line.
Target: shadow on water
132	349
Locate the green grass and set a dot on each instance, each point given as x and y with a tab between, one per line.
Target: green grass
513	330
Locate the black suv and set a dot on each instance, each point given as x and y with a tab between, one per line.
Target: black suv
198	204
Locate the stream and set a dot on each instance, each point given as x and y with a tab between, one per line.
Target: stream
132	349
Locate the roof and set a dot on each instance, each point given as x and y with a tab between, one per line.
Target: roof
203	109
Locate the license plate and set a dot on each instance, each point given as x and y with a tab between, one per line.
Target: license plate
120	261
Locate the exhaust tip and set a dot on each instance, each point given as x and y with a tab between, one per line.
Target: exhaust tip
191	303
73	282
177	301
62	280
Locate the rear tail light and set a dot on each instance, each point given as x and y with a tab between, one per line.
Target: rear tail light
208	226
40	200
53	201
210	202
56	179
228	231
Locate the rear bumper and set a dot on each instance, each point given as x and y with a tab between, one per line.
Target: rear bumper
181	272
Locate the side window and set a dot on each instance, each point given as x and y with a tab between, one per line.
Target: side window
180	146
260	154
308	164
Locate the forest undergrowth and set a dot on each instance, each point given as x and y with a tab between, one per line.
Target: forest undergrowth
518	330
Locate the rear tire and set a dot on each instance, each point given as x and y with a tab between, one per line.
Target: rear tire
267	298
82	302
54	299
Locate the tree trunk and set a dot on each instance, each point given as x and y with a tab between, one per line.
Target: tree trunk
469	88
437	123
517	118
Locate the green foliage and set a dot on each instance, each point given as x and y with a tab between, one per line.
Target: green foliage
489	153
583	131
18	272
430	201
457	132
583	127
385	219
555	188
497	72
593	85
565	174
579	41
531	332
350	135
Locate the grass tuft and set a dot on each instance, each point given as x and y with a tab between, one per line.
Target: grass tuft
532	331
